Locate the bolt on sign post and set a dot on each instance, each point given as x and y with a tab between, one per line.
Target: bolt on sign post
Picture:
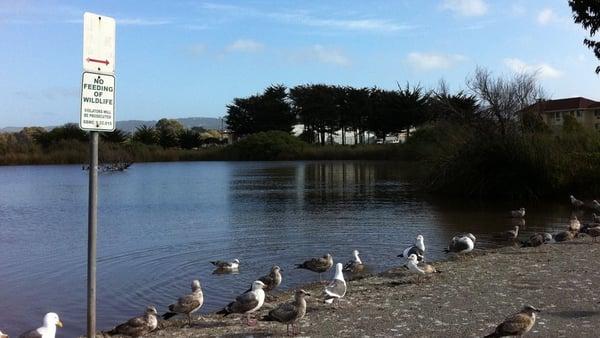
97	114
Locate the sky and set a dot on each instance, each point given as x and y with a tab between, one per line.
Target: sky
191	58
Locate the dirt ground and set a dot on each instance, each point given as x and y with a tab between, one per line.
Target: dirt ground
470	296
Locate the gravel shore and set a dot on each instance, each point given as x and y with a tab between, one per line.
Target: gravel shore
470	296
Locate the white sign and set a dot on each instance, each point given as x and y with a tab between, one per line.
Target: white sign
97	102
98	43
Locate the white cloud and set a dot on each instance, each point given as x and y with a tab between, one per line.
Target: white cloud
546	16
543	70
245	45
322	54
376	25
430	61
466	7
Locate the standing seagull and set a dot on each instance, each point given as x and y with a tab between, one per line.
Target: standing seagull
247	303
574	224
290	313
337	288
355	265
461	244
138	326
48	330
518	213
187	304
417	249
575	202
509	235
517	324
273	279
318	265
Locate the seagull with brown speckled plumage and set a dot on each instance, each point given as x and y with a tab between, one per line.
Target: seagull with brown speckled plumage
517	324
290	313
187	304
575	202
319	265
537	239
273	279
138	326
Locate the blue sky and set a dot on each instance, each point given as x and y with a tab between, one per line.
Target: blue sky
190	58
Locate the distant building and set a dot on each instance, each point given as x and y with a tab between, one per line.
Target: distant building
585	111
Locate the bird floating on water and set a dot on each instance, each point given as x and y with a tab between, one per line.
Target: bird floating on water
355	265
273	279
518	213
227	266
517	324
138	326
418	249
187	304
336	289
290	313
537	239
48	330
319	265
575	202
461	244
247	303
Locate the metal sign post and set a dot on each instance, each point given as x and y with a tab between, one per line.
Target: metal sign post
97	114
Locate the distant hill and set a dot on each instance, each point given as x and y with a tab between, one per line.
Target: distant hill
130	125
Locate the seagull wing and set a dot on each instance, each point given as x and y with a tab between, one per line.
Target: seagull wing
284	313
186	304
337	288
515	325
31	334
244	303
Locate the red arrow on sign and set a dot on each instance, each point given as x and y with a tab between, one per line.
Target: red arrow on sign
105	62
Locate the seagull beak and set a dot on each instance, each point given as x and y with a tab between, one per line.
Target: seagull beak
59	323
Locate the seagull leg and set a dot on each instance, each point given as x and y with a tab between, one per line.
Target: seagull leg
189	315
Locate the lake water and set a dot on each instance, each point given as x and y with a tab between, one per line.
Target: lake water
161	223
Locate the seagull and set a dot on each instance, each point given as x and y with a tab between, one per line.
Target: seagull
247	303
575	202
290	313
138	326
227	266
595	218
574	224
413	267
48	330
595	205
592	231
318	265
509	235
461	244
518	213
3	335
564	236
355	265
337	288
517	324
537	239
187	304
418	249
273	279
